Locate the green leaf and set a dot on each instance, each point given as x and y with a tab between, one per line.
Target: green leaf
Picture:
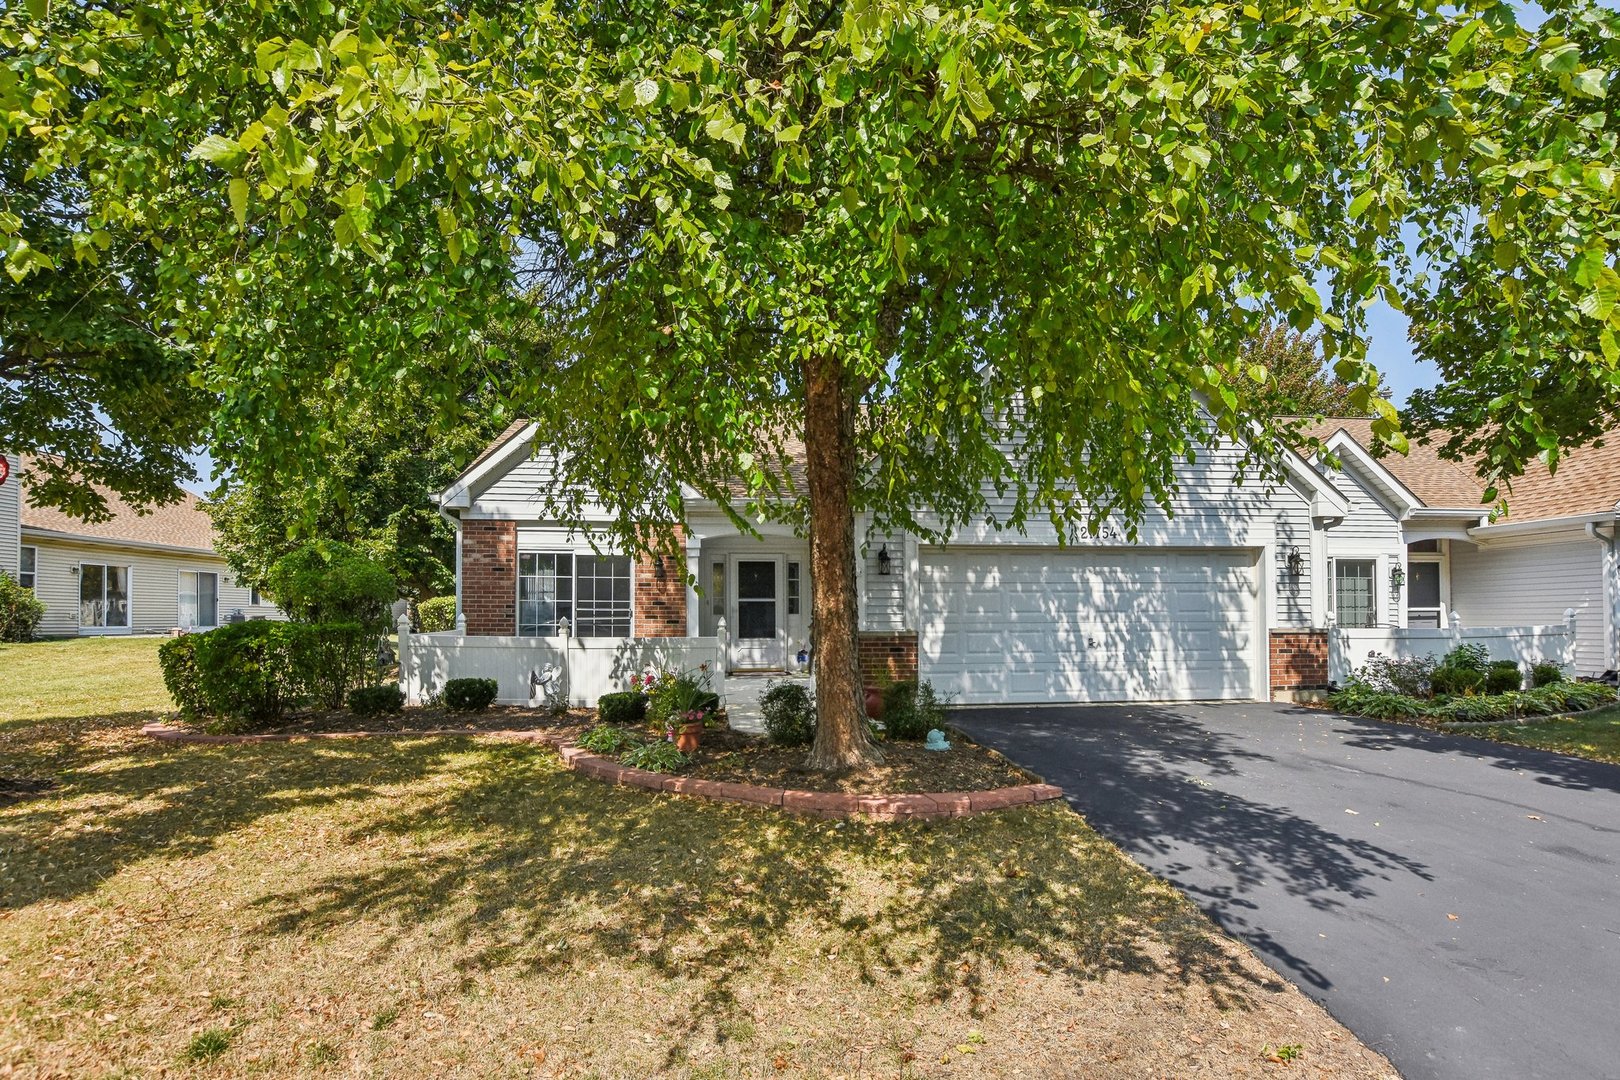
646	92
1359	204
1560	57
238	192
219	150
1592	82
789	134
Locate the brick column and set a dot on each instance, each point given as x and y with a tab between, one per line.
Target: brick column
660	605
1299	663
489	577
890	655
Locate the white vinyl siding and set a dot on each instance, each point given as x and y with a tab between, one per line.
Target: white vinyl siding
1528	584
884	603
1009	625
154	585
1371	539
10	517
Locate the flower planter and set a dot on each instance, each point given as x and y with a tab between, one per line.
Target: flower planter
874	703
687	737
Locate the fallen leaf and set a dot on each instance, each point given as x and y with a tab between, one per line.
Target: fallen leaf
1453	918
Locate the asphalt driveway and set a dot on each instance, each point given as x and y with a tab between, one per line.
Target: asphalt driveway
1454	902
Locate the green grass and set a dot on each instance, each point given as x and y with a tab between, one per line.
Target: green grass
1594	735
467	907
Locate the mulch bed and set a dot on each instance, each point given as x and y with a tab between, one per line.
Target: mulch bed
436	718
17	788
739	758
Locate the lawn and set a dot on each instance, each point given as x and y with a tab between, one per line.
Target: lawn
1594	735
466	907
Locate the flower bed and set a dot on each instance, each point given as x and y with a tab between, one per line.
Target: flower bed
1540	703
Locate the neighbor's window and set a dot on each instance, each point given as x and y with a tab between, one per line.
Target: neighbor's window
199	599
793	588
1355	599
25	569
103	595
591	591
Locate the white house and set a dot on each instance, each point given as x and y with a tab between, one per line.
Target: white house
140	572
1241	592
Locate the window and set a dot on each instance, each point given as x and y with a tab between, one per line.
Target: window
602	596
793	588
1424	547
103	596
718	587
254	600
199	599
545	593
26	568
1354	593
591	591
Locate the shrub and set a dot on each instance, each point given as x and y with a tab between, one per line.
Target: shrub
1389	675
1469	657
1451	681
1474	710
436	615
246	671
671	696
178	659
470	695
1566	696
20	610
790	714
604	739
1545	673
376	700
332	659
628	707
1359	699
1503	676
657	756
329	582
910	710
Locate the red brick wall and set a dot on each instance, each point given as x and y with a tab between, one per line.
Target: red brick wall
661	605
1299	660
888	655
489	577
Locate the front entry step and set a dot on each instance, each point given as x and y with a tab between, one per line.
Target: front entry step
743	692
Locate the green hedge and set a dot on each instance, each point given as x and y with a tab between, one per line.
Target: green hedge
910	710
470	695
376	700
329	582
248	671
790	714
178	659
20	610
437	615
1546	700
629	707
332	659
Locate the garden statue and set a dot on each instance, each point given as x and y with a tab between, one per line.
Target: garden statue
936	740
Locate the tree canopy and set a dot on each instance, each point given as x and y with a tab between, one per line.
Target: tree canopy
1289	378
884	226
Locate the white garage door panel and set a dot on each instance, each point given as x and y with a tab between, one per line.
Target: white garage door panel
1051	625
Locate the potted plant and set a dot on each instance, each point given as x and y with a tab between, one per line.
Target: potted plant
690	731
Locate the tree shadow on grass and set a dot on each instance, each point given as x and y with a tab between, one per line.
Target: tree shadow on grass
531	856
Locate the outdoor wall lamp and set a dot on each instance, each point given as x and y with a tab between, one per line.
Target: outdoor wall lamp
1296	563
1397	576
658	568
885	561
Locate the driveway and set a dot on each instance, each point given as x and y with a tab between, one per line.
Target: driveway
1454	902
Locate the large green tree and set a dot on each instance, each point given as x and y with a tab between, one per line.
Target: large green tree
903	232
1288	378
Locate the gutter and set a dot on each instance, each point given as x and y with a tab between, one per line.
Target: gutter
113	542
1515	528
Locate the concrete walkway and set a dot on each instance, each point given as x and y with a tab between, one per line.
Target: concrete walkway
742	699
1454	902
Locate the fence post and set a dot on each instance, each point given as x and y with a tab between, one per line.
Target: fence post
461	624
565	632
406	676
720	657
1569	639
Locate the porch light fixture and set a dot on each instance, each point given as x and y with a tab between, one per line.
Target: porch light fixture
1296	563
1397	576
885	561
658	568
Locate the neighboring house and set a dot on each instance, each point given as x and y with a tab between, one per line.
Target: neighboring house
1419	549
137	573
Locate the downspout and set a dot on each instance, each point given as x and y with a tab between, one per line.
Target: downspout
1611	589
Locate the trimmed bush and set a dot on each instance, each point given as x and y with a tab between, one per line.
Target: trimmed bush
246	671
1389	675
1451	681
332	659
329	582
1474	710
178	659
436	615
376	700
20	610
1361	700
605	739
1503	676
910	710
1545	674
1469	657
470	695
628	707
790	714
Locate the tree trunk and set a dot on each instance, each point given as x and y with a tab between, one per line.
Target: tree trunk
842	741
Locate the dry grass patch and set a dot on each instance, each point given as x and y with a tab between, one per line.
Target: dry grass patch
466	907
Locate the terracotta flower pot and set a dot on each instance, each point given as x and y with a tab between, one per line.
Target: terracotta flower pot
874	703
686	739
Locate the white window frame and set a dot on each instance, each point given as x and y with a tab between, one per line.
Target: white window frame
27	578
180	592
129	590
1333	587
573	617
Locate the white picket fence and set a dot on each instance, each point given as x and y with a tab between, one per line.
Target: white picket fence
529	669
1348	649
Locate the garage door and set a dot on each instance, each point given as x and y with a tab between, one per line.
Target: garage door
1104	625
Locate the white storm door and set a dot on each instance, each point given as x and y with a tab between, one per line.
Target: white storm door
756	613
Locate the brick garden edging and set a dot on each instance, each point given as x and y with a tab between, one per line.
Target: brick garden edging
823	804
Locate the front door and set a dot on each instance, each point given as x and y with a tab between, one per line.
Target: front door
758	632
